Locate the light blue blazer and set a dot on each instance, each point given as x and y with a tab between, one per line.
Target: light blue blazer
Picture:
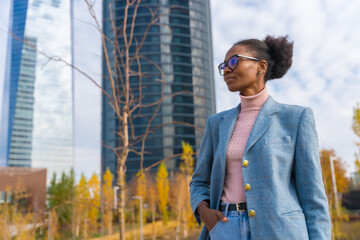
287	191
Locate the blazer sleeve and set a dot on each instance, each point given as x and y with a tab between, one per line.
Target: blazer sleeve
308	176
200	183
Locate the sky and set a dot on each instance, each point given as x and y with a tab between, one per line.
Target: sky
324	75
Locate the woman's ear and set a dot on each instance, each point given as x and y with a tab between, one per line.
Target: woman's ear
262	67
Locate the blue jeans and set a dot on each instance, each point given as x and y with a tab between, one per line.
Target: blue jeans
236	227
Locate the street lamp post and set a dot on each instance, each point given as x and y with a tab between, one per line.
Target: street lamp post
141	217
49	225
116	188
334	184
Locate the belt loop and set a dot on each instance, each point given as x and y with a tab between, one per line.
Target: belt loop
227	209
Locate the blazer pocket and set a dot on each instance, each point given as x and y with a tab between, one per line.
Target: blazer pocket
297	212
278	140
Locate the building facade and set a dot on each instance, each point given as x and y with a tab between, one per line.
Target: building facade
180	44
26	186
37	112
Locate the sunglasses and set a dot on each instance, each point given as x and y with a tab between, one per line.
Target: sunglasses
233	62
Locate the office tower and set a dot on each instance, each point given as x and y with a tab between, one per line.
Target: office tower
37	112
181	46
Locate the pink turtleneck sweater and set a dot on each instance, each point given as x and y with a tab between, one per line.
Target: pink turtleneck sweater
233	184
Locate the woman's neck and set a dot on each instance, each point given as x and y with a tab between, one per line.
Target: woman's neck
254	101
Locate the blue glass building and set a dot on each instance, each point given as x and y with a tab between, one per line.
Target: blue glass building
181	45
37	112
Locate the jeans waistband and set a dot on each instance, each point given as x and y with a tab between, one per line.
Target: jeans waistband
226	212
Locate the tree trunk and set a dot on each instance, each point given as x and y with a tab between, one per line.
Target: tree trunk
85	228
110	225
178	220
121	206
133	222
184	223
121	168
102	208
153	222
77	228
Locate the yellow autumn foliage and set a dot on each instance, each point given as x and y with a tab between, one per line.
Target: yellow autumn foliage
162	183
108	198
81	209
141	190
94	202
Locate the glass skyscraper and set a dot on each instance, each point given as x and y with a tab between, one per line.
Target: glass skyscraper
37	112
181	45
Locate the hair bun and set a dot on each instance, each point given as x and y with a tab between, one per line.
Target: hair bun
281	51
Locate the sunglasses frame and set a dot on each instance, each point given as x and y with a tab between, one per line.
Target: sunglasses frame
225	63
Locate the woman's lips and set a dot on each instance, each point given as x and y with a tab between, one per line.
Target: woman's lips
228	79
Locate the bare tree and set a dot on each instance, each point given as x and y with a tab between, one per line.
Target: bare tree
124	67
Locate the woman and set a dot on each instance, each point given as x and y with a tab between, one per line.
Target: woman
258	174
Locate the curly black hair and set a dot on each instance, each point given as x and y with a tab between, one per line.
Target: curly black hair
277	52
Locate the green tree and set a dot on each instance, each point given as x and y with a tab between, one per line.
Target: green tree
162	183
61	194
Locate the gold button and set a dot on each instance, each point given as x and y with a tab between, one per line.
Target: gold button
252	213
247	187
245	163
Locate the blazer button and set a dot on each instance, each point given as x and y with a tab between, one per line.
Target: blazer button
247	187
252	213
245	163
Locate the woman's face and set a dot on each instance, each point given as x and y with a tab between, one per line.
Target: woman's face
247	77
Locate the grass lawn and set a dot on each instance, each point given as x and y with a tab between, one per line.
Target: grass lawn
162	232
351	230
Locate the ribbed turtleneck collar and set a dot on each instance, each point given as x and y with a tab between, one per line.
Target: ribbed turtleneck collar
255	101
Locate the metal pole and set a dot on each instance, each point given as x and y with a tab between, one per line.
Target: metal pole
141	219
49	226
116	188
334	184
141	215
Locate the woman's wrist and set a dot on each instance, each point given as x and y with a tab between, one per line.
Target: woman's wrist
201	205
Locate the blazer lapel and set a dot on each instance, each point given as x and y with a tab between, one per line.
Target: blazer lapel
262	122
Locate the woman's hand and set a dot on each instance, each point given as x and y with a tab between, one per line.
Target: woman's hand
210	216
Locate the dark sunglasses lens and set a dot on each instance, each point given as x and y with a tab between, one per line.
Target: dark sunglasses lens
232	62
221	68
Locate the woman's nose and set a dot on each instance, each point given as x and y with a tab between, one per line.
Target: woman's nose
227	69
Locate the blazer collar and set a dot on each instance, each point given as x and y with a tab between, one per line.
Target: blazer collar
261	124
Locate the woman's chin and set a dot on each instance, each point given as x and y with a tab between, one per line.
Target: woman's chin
232	89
